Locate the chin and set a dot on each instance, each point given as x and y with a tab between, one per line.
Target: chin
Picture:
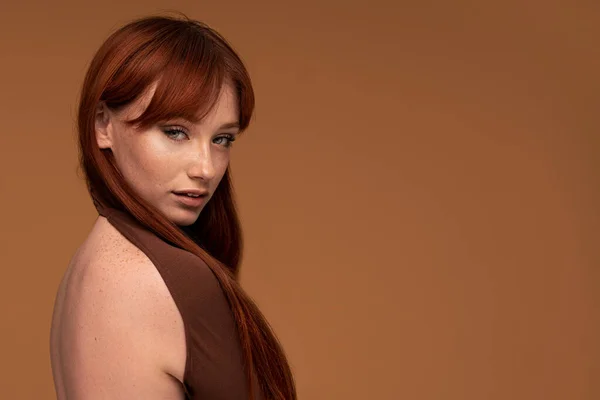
185	217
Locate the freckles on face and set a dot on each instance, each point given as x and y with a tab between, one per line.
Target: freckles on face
149	162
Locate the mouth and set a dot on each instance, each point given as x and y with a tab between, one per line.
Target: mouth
190	199
192	195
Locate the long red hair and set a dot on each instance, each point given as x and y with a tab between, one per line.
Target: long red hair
190	61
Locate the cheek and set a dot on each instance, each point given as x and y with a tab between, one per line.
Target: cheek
221	164
221	167
147	163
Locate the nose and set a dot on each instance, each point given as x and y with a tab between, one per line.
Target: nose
202	164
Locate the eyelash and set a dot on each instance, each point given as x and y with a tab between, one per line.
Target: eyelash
171	131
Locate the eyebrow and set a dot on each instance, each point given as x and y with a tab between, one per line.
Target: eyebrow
233	124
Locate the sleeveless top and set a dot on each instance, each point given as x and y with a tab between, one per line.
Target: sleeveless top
214	360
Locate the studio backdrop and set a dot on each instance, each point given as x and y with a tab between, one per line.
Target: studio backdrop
418	189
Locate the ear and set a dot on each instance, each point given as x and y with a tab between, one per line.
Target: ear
103	126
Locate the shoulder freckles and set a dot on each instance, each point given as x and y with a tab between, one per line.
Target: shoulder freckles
114	249
124	279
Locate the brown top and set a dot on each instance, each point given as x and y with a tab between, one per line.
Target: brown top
214	363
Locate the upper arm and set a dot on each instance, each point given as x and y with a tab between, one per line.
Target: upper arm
123	335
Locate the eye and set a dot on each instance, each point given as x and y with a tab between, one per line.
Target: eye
229	138
173	133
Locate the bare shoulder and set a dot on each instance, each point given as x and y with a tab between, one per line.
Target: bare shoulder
121	333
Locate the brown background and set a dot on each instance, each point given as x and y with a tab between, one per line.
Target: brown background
419	189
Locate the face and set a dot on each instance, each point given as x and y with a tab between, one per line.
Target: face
171	157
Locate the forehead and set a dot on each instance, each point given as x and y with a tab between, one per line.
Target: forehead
225	108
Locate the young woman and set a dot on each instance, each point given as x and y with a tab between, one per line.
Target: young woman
149	307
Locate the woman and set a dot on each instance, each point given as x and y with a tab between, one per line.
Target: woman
149	307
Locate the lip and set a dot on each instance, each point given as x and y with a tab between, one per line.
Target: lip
192	191
190	201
